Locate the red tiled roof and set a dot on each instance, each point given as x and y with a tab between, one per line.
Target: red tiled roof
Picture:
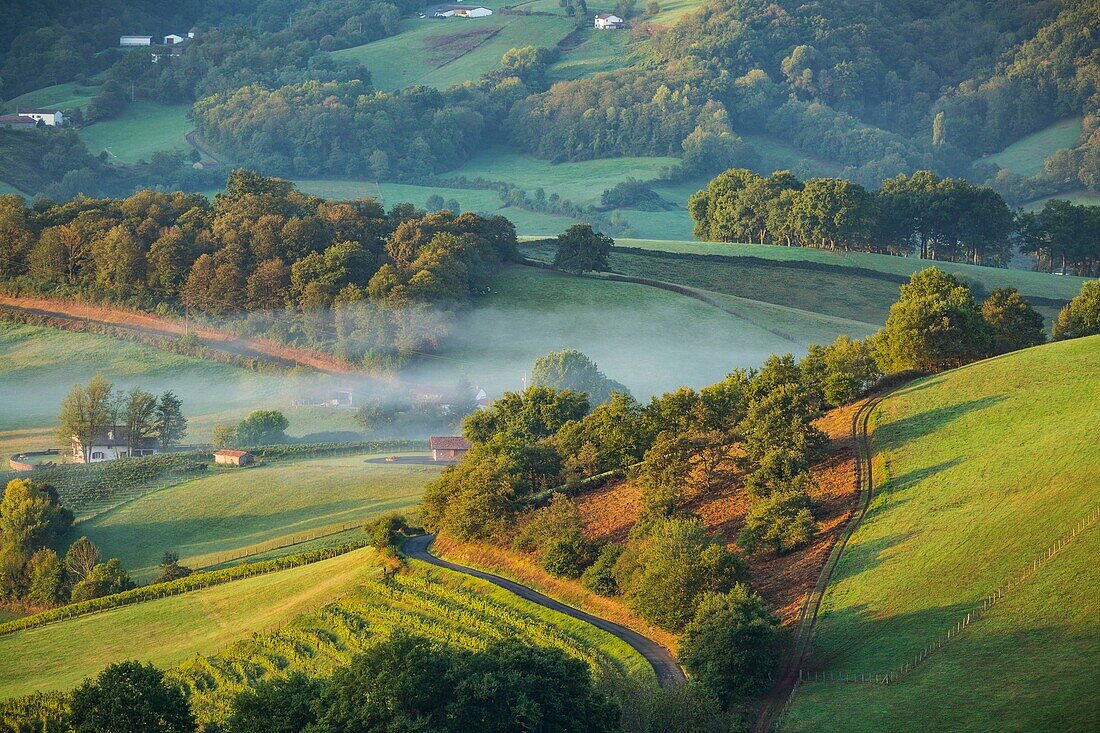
17	119
30	111
231	453
448	442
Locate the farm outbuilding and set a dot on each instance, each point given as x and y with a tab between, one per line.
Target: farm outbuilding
135	40
232	457
609	21
448	447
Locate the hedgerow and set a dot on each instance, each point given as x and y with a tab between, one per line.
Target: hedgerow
192	582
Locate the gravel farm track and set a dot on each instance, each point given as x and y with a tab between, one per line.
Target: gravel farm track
783	690
72	315
669	673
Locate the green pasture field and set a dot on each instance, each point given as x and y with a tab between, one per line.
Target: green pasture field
229	511
143	129
1027	155
672	224
442	53
1038	284
649	339
594	52
447	607
65	97
1081	198
776	154
167	631
8	188
581	182
981	470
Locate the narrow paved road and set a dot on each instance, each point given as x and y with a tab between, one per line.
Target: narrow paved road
668	671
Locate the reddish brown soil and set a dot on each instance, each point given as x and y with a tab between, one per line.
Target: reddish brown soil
783	580
257	348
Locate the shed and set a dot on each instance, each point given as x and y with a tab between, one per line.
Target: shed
135	40
172	38
448	447
232	457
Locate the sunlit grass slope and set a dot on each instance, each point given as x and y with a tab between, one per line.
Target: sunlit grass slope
142	129
981	470
1027	155
230	510
167	631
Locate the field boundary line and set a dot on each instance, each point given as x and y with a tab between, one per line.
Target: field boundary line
1029	571
299	539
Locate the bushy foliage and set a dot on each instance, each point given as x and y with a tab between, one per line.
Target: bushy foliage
600	575
663	572
1081	317
129	696
570	369
1015	324
780	521
582	249
731	645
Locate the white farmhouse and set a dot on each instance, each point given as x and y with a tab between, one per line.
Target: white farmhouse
135	40
609	21
51	117
460	11
172	38
112	444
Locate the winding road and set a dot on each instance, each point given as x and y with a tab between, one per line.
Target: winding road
669	673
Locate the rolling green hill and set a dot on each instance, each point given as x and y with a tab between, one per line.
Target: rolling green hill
168	631
62	96
141	130
231	511
442	53
981	471
1027	155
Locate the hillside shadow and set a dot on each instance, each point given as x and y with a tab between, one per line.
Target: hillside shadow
902	482
864	557
926	422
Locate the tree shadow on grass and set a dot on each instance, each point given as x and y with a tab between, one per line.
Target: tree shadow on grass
898	432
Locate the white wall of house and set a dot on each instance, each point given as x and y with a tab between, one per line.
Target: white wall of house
135	41
477	12
611	21
53	119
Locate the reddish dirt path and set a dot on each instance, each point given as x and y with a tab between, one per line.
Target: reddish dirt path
254	348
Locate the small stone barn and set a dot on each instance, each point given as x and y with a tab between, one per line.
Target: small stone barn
448	447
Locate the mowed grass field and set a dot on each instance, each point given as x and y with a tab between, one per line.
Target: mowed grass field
442	53
1027	155
231	510
65	97
1036	284
981	470
170	630
141	130
478	200
649	339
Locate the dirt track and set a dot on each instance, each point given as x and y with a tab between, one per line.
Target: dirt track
669	673
254	348
784	688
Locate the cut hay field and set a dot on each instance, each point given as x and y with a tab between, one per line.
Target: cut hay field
470	199
442	53
1027	155
168	631
65	97
651	340
582	182
1036	284
980	470
230	511
141	130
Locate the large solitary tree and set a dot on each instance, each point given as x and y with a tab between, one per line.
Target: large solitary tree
86	411
582	249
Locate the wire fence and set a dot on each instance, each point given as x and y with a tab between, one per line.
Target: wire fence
1025	574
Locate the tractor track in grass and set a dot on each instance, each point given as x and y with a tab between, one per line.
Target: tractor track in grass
668	671
783	690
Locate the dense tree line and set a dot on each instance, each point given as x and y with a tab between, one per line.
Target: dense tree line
344	275
400	683
919	214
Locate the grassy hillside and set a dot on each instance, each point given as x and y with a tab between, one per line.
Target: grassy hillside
1081	198
981	470
61	96
651	340
442	53
141	130
169	630
1027	155
8	188
229	511
1037	284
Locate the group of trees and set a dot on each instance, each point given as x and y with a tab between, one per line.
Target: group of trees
31	572
922	215
261	427
139	416
344	275
400	683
